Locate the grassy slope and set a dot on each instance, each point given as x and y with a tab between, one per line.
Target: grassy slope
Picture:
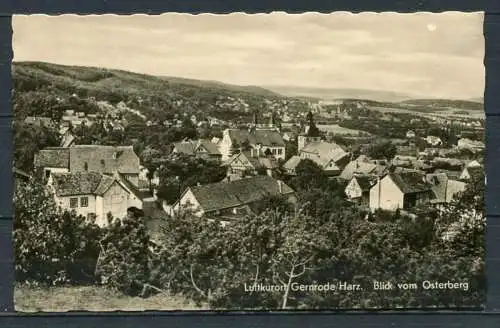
63	299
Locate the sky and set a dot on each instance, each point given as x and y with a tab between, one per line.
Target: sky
425	54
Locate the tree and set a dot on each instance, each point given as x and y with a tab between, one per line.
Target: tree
51	246
382	150
308	175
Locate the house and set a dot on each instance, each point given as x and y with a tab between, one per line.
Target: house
362	166
93	194
289	136
90	158
358	189
444	187
473	145
40	121
410	134
434	141
200	148
67	140
249	163
403	190
261	140
229	200
470	172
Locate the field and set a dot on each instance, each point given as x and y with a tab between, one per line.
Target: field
336	129
91	298
442	112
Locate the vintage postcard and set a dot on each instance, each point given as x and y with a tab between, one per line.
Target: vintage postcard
249	162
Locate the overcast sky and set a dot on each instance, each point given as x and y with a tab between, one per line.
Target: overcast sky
438	55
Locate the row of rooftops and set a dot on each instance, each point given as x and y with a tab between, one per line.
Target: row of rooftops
97	158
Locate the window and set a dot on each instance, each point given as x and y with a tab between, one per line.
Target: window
86	166
102	162
84	202
73	202
280	151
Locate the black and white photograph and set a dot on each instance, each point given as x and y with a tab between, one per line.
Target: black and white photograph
249	162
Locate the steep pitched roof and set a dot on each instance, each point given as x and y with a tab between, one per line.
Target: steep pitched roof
221	195
191	147
264	137
362	168
39	120
81	183
245	157
365	182
443	187
104	159
323	148
410	182
292	163
52	157
474	171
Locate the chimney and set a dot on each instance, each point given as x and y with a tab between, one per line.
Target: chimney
280	186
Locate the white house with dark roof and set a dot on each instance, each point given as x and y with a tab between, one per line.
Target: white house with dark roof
248	163
228	200
90	158
403	190
200	148
261	140
358	189
93	194
362	165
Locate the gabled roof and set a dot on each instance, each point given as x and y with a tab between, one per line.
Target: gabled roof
410	182
191	147
67	140
222	195
474	170
264	137
39	120
81	183
361	167
52	157
323	148
443	187
365	182
104	159
253	162
292	163
96	158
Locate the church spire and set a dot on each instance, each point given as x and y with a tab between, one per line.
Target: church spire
255	117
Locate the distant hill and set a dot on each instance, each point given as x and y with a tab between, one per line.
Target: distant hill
331	94
222	86
446	104
145	93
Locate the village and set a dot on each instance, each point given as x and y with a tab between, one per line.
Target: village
258	156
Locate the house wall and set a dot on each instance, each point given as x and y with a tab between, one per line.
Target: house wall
386	195
278	152
50	170
117	200
225	145
133	178
352	190
64	203
190	201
